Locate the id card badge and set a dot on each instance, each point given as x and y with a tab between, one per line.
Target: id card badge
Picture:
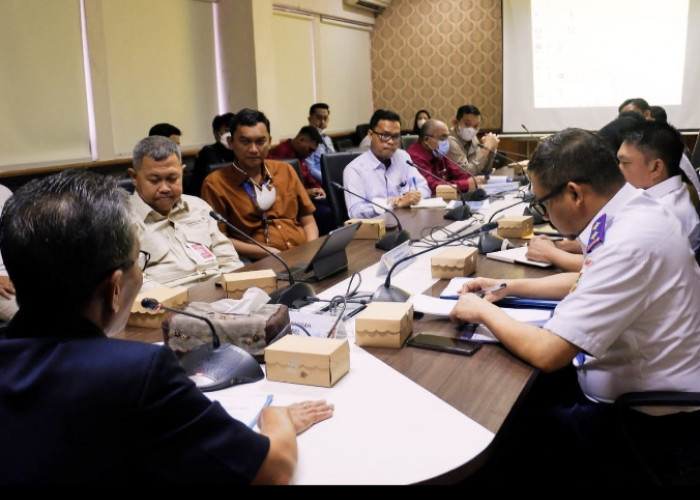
200	253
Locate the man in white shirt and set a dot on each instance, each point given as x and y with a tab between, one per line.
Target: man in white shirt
382	173
319	116
628	320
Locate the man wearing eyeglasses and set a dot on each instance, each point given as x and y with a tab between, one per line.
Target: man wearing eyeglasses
185	244
628	320
319	117
381	173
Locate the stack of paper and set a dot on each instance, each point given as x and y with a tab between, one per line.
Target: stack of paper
516	256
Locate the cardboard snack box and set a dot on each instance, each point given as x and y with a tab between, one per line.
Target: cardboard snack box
384	324
370	229
515	226
235	284
453	262
171	297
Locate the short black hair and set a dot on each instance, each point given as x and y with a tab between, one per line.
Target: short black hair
467	109
319	105
311	132
221	120
164	129
383	114
635	101
248	118
657	139
576	155
658	113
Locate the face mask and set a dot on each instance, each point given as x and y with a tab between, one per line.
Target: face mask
224	139
265	195
467	133
421	122
443	148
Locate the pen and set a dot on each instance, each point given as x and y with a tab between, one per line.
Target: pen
415	186
496	288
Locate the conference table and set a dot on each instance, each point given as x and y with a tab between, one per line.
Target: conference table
417	416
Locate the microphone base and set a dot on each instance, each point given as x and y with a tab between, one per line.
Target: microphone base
391	241
491	243
462	212
294	296
212	369
390	294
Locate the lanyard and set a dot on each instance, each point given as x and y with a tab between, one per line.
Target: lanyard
249	189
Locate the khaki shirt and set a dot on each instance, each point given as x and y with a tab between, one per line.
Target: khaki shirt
186	246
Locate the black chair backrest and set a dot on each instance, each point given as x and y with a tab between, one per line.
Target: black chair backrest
361	132
127	184
332	166
294	162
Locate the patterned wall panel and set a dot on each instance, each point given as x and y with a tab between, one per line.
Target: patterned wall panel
438	55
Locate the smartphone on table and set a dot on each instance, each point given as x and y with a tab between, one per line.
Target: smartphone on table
444	344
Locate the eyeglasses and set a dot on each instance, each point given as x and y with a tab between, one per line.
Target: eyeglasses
539	207
387	137
441	138
143	259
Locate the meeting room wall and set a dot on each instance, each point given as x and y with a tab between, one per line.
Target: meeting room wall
154	61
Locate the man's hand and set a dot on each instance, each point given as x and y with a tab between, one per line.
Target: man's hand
7	289
406	199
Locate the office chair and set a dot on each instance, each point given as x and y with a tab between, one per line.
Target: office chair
407	140
361	132
695	158
650	465
294	162
345	144
332	166
127	184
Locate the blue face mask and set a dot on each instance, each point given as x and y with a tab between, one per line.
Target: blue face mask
443	148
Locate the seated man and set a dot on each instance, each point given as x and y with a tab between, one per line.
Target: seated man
429	152
8	303
213	153
263	198
464	143
649	158
120	412
184	242
381	173
166	130
319	117
301	147
627	321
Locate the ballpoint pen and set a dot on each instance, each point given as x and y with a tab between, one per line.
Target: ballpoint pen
415	186
496	288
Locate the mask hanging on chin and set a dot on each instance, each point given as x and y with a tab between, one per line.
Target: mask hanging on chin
467	133
265	195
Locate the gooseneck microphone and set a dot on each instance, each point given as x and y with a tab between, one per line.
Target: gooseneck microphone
213	366
462	212
292	295
389	293
529	133
391	240
492	243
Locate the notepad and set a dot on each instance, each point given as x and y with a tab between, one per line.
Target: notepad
435	202
516	256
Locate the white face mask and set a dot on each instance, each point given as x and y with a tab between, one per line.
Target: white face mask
265	195
467	133
224	139
421	122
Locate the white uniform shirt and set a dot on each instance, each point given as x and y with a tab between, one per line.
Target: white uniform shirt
369	177
634	309
186	246
673	194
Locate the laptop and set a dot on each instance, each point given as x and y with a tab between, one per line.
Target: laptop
331	257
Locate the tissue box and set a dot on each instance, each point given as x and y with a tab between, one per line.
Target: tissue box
299	359
170	297
520	167
454	262
516	226
446	192
370	229
384	324
235	284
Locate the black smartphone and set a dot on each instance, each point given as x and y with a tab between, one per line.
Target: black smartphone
446	344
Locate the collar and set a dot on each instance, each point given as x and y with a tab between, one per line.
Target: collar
146	213
607	215
42	323
665	187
